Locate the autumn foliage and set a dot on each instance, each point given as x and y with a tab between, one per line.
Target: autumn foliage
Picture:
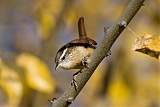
32	31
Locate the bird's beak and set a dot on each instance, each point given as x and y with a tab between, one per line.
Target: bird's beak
56	67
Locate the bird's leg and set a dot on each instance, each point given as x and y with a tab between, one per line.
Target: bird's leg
74	79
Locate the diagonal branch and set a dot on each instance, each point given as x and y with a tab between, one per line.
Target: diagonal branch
99	54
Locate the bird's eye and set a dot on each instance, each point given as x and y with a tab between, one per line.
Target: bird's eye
63	57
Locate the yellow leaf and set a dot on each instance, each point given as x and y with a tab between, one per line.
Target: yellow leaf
36	72
11	84
0	65
148	44
45	15
118	93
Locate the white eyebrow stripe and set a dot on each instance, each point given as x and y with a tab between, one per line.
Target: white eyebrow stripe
63	53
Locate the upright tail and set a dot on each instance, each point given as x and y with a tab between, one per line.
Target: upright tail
81	28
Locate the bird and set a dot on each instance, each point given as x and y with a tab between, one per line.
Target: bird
74	54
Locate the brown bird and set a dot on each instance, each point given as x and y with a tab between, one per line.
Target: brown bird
74	54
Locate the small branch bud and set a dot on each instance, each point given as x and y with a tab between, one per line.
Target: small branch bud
70	100
105	29
123	24
52	101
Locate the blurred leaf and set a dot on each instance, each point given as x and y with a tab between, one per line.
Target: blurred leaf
148	44
36	72
11	84
118	92
45	15
0	66
147	90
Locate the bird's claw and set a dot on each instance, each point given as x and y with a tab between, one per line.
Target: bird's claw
85	62
74	82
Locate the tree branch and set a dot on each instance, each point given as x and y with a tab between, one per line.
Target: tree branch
99	54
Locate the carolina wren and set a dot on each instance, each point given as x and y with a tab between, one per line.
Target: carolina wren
73	55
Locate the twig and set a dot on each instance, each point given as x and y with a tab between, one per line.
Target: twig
99	54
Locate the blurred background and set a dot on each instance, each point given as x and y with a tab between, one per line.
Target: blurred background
32	31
